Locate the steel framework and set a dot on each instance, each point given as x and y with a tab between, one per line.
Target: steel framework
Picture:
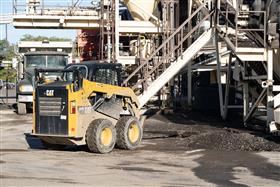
241	51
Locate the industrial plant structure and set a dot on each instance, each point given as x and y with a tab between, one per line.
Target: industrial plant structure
187	53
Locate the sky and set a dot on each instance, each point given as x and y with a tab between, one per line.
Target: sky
14	35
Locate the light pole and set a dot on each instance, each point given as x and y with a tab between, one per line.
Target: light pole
6	32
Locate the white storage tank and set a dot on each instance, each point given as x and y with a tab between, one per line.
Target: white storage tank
141	10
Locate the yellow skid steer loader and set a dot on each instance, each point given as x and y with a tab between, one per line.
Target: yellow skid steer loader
85	104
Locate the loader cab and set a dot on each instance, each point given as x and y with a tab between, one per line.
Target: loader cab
96	72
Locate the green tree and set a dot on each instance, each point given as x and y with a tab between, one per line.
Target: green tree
6	50
7	53
28	37
10	75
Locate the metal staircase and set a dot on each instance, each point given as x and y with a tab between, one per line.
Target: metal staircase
258	61
171	56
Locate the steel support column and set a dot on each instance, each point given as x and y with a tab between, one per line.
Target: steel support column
270	103
218	47
117	24
227	87
190	64
245	100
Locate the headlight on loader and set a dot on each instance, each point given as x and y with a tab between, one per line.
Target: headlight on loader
25	88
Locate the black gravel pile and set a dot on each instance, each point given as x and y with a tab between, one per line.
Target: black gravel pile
224	140
187	134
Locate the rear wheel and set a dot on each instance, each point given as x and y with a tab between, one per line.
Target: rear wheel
101	136
129	132
21	108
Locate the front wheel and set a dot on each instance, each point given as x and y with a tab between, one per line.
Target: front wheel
129	132
101	136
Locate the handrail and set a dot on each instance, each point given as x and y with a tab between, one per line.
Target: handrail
43	6
248	31
178	30
174	49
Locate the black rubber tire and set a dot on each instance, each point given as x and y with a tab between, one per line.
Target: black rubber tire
53	146
93	136
122	127
21	108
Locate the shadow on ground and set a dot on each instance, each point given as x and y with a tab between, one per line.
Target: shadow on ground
229	163
36	143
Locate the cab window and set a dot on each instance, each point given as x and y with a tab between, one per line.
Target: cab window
106	76
82	69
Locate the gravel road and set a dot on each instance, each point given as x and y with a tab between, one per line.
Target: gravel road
177	150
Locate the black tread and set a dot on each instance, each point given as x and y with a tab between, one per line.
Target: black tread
122	128
92	138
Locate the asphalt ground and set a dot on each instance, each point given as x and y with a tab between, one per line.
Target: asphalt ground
11	96
178	150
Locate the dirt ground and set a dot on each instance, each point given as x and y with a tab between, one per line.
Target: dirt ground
187	149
